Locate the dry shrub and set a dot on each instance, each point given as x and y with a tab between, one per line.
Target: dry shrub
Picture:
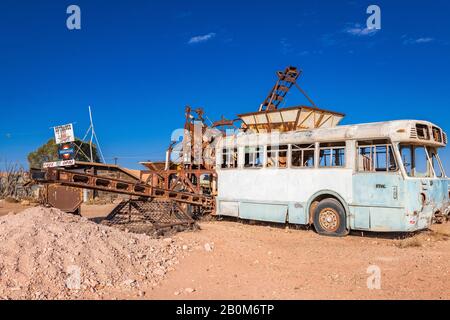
11	200
409	243
440	235
14	182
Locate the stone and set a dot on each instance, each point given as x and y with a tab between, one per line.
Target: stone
129	282
159	272
189	290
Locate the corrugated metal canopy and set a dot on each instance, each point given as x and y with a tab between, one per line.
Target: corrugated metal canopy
291	119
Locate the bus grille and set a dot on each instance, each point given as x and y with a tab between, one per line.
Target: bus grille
413	134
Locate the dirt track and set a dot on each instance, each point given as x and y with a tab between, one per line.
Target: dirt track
267	262
261	262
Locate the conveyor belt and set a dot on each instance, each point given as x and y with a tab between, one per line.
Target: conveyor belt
102	183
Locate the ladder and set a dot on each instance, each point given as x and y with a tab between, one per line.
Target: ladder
286	79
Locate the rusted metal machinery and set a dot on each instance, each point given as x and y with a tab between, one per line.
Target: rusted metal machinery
270	117
138	189
66	198
286	80
191	167
142	215
167	194
170	191
149	207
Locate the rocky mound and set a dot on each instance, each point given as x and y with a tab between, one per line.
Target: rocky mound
48	254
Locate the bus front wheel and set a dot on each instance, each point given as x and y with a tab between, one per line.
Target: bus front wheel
330	219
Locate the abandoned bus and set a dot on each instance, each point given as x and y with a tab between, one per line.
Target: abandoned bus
383	176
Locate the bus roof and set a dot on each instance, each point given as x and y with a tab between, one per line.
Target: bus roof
408	131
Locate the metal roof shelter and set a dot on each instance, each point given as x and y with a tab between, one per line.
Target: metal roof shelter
271	117
291	119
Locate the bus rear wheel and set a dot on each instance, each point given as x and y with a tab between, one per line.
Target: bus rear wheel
330	219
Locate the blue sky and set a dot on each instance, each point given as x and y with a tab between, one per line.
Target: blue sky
138	63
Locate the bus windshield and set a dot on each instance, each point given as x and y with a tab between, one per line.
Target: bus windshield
421	161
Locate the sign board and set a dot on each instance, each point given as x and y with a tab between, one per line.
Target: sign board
64	134
66	151
62	163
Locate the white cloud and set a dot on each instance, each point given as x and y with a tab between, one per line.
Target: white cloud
424	40
286	46
359	31
418	40
202	38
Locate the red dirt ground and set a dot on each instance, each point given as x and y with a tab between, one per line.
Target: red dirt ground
248	261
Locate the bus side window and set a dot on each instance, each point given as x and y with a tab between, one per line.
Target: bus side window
365	158
308	158
302	156
376	158
277	156
325	158
422	131
338	159
229	158
437	136
253	157
332	154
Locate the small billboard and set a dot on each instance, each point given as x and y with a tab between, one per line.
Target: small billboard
64	134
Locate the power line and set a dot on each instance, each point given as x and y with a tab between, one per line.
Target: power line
134	157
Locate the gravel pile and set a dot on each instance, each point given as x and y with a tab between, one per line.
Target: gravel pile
48	254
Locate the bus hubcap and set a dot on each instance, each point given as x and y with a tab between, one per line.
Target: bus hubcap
329	219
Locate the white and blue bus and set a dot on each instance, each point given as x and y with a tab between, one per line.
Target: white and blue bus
383	176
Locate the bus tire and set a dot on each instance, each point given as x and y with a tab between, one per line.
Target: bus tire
330	218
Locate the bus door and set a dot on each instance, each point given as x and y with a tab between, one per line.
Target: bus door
377	188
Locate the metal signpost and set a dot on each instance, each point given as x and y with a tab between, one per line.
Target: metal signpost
64	138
